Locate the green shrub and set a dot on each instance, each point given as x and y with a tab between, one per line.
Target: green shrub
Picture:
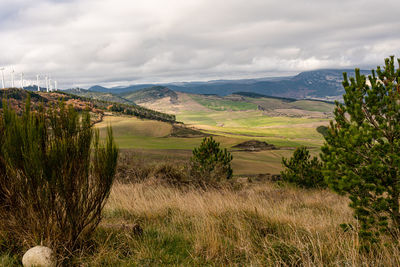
322	130
303	171
210	163
54	176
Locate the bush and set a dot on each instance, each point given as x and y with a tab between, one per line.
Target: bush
55	177
172	174
134	167
209	163
302	170
322	130
362	150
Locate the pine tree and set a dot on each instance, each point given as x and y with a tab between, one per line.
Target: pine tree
303	171
210	163
362	150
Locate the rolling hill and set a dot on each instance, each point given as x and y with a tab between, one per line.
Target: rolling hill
150	94
166	100
16	98
281	121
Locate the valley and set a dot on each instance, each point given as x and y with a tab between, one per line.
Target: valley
163	124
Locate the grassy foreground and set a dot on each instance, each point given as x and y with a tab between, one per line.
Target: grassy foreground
261	224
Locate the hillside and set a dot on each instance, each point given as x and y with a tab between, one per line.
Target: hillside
166	100
17	98
150	94
99	96
323	84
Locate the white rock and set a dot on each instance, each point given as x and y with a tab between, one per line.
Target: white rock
39	256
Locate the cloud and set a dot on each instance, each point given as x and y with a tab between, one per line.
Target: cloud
86	42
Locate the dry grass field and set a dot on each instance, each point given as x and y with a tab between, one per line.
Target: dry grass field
261	224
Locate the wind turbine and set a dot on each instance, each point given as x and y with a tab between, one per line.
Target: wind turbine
50	85
22	80
47	84
12	78
37	82
2	77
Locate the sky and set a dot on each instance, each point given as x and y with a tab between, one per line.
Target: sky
121	42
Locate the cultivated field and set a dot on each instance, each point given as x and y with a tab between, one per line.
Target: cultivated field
282	131
152	137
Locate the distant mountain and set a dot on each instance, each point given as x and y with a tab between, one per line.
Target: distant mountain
98	88
322	84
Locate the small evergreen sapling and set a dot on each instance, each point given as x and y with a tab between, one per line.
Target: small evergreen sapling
303	171
210	163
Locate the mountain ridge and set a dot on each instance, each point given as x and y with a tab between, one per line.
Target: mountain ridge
324	84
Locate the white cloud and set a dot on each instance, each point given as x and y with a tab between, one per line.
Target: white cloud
85	42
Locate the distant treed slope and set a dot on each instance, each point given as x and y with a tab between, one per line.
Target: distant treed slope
128	109
150	94
99	96
120	89
317	84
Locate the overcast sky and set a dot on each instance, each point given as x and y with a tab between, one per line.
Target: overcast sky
120	42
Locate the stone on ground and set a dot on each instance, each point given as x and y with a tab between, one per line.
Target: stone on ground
39	256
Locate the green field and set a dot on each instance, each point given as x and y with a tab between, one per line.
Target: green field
152	138
282	131
276	103
313	105
221	104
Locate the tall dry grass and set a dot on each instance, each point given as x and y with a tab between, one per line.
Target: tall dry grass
259	225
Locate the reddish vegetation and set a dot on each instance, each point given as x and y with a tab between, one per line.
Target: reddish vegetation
16	99
78	104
